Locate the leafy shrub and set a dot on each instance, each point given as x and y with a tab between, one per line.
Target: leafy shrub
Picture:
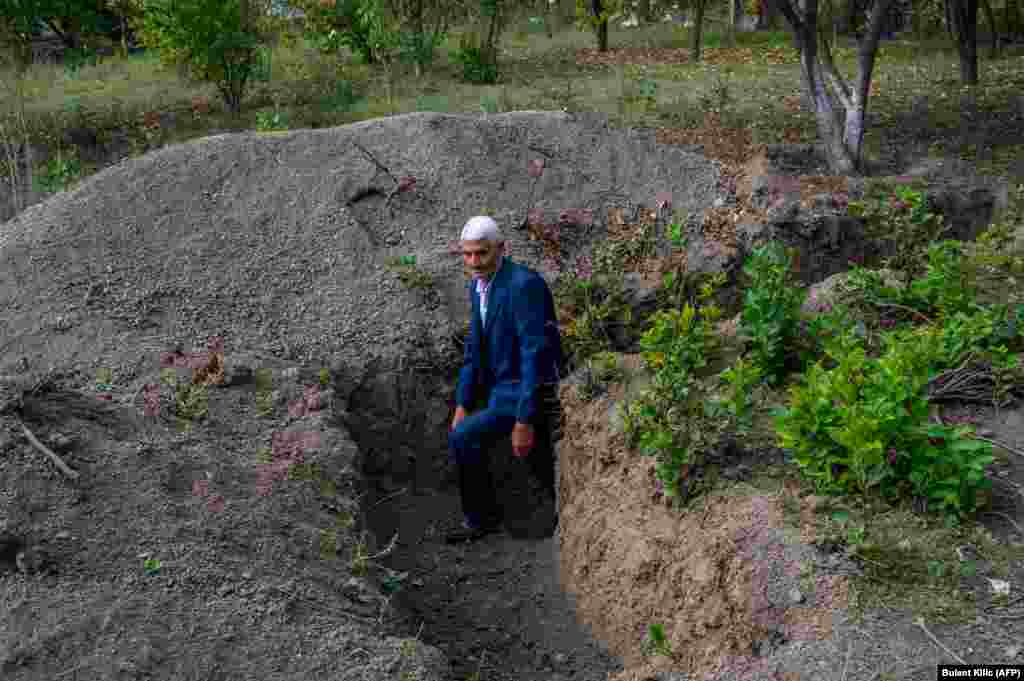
770	318
77	57
271	120
864	424
591	306
900	216
59	173
741	379
671	420
343	98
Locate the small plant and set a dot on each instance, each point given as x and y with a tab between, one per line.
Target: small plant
656	642
342	100
328	544
672	420
264	392
770	318
742	379
359	563
151	566
648	93
410	274
900	216
77	57
59	173
718	99
268	121
479	65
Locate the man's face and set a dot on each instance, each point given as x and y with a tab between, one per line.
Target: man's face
481	257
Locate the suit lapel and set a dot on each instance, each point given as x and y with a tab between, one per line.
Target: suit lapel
497	293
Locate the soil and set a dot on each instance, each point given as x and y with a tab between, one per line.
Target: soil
496	606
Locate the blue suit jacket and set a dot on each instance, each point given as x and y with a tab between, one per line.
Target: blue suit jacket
523	348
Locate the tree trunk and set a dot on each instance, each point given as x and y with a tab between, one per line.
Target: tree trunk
990	18
1011	18
493	31
646	12
695	30
965	23
601	31
840	110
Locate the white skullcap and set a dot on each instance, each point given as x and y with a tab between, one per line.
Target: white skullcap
481	228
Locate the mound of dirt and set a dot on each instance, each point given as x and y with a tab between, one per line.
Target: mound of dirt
234	549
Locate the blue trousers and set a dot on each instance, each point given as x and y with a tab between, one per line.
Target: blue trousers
471	445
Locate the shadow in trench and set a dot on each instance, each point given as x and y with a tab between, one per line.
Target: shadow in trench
494	606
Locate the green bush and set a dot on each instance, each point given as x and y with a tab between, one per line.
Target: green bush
59	173
863	424
478	65
672	420
770	319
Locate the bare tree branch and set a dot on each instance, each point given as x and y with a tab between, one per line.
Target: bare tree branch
57	461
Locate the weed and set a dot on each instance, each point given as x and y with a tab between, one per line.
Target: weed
410	274
342	100
59	173
268	121
655	642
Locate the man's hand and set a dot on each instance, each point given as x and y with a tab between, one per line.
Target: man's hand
460	413
522	439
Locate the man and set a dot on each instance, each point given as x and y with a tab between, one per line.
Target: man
513	359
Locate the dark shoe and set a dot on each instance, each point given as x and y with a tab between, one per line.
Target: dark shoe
468	533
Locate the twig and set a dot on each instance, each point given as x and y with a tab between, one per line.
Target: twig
390	496
64	468
905	308
1018	616
1007	518
849	649
999	444
919	621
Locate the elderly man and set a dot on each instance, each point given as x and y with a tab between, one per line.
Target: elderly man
509	378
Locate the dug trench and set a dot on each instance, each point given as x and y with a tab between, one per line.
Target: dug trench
494	607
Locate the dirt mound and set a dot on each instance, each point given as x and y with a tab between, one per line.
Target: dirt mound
235	548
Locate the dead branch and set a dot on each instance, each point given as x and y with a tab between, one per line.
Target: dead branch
1001	445
968	382
919	621
57	461
1007	518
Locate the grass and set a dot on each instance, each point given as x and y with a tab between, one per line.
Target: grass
537	73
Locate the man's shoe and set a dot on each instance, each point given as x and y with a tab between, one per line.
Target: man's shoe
468	533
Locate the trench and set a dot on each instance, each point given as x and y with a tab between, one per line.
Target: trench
495	607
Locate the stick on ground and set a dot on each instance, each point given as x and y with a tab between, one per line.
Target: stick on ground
57	461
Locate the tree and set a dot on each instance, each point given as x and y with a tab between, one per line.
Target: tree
21	20
839	109
208	38
697	29
594	15
963	15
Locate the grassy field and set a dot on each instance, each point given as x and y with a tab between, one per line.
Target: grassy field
645	80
